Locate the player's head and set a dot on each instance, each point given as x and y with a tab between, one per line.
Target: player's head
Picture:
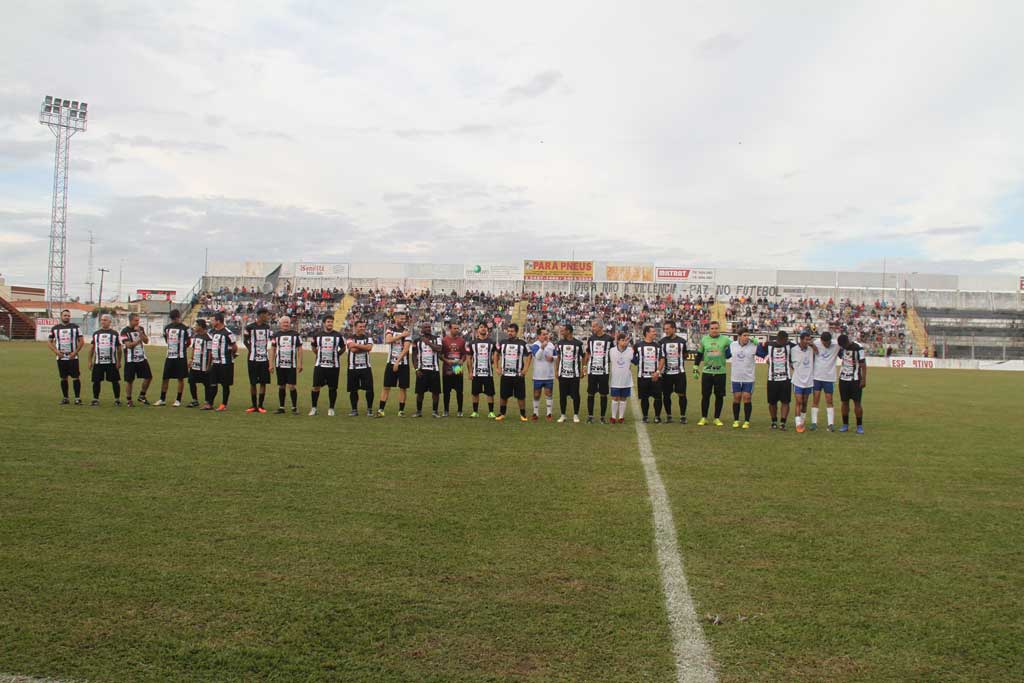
670	327
782	337
567	331
826	337
453	328
200	326
622	341
328	322
65	316
400	318
543	336
843	340
805	338
105	321
174	315
513	330
649	333
360	327
263	315
744	337
133	319
218	320
425	329
597	326
714	329
285	322
481	330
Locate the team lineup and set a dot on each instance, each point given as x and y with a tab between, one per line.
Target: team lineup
204	356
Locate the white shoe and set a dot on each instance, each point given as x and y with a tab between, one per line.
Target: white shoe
177	404
576	419
161	402
561	419
330	412
312	412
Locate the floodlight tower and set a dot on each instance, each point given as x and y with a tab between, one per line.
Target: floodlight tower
64	118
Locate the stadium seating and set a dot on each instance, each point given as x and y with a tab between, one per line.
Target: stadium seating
621	313
975	333
14	324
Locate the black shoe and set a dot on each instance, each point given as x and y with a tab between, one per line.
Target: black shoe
775	425
604	421
668	419
437	416
645	420
369	413
417	414
94	402
64	401
193	404
78	401
782	427
279	411
353	413
682	420
657	420
117	404
590	420
143	400
295	410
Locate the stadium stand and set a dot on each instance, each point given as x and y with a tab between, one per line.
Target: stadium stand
622	313
377	306
14	324
975	333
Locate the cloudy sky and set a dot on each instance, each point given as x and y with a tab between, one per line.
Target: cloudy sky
807	135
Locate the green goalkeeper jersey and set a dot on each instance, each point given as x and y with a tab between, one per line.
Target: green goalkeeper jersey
714	349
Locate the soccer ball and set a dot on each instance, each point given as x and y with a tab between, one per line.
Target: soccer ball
457	369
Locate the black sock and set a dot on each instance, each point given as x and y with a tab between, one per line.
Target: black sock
163	395
332	396
657	407
860	421
252	397
736	411
369	399
96	391
458	400
504	409
562	401
645	405
381	405
667	402
419	403
846	419
117	390
76	384
179	397
590	405
192	390
447	400
719	400
211	393
476	406
353	398
295	398
604	405
747	408
64	387
314	396
401	406
280	396
225	392
705	403
682	406
575	405
437	402
263	396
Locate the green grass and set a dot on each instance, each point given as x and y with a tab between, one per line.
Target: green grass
166	544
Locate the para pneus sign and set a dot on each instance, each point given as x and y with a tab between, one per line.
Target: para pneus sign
558	270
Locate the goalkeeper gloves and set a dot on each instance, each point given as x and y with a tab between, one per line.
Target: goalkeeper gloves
696	372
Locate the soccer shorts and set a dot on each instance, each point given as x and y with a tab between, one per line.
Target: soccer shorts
569	386
106	372
482	385
648	388
137	370
712	383
360	380
428	382
287	376
780	391
539	384
742	387
597	384
175	368
621	392
326	377
803	391
222	373
513	387
68	368
198	377
850	390
398	379
674	383
822	385
259	372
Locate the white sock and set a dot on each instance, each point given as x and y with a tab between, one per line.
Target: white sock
536	406
799	420
622	409
831	415
551	404
814	416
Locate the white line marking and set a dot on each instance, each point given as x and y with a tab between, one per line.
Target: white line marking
693	658
10	678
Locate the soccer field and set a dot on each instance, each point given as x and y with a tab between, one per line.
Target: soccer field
153	544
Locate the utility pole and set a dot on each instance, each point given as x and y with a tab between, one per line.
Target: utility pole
99	301
90	279
120	277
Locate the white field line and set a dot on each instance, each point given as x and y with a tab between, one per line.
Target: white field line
692	655
9	678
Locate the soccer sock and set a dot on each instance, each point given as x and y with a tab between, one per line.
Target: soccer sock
353	398
179	397
95	390
263	396
163	395
590	405
437	401
64	387
419	403
604	405
77	386
667	402
332	396
705	403
280	396
314	396
476	406
814	416
846	419
117	390
645	406
682	406
295	398
211	393
504	409
575	405
225	393
747	409
550	404
401	406
381	405
447	400
657	406
369	399
860	421
252	396
830	413
536	406
459	398
563	402
736	411
192	390
719	400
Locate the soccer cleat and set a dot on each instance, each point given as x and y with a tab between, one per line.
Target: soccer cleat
782	427
735	424
644	420
436	415
94	402
176	404
657	420
719	423
682	420
444	414
222	408
193	404
775	425
251	410
813	427
604	421
668	419
279	411
369	413
129	404
576	419
474	415
523	418
590	420
800	429
417	414
459	414
860	429
206	406
117	403
295	410
78	401
534	418
500	418
353	413
312	412
401	413
561	419
491	415
380	412
261	410
64	401
550	417
701	422
143	400
330	412
160	402
746	425
831	428
844	428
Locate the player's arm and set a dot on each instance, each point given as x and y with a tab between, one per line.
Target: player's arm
526	365
232	343
143	337
406	351
118	347
92	352
271	352
52	342
78	347
416	359
863	371
298	353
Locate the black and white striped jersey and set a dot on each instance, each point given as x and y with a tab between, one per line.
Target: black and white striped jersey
288	346
328	347
105	344
256	338
600	347
570	351
673	350
65	338
395	348
176	335
481	352
201	353
359	360
428	359
221	342
135	354
512	356
647	354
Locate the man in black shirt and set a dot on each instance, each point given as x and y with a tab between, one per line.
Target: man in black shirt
569	352
480	359
133	341
597	367
286	356
199	367
66	342
647	356
223	346
105	360
673	371
176	336
426	357
328	345
256	338
513	361
360	372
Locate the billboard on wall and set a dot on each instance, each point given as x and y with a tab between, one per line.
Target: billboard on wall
629	272
558	270
325	270
700	275
1022	283
492	271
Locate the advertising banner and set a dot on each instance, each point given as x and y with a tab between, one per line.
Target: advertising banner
699	275
911	362
629	272
493	271
43	327
324	270
558	270
1022	283
165	294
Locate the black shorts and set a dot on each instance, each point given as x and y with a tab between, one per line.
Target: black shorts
597	384
482	385
850	390
175	368
712	383
68	368
428	382
222	373
360	380
453	382
198	377
286	376
398	379
105	373
259	372
137	370
674	384
569	386
513	387
326	377
780	391
648	388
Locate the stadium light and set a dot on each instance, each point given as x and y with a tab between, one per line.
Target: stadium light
64	118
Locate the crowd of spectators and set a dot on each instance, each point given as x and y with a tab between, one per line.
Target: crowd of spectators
376	307
306	307
620	313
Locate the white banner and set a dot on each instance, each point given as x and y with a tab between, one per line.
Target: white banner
912	362
324	270
702	275
43	327
493	271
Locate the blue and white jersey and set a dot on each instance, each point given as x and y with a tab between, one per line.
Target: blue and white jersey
743	356
825	361
543	360
803	366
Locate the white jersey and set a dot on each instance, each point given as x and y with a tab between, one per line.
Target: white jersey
803	366
825	361
622	372
743	356
543	360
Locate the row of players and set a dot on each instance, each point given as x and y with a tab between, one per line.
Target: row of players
205	357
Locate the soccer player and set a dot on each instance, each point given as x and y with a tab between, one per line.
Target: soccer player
426	353
647	357
853	378
360	372
480	353
543	352
256	338
514	361
396	373
824	378
105	360
802	356
743	354
66	342
569	351
133	341
328	345
286	357
199	368
454	357
620	358
780	377
597	366
673	371
176	336
223	348
711	361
